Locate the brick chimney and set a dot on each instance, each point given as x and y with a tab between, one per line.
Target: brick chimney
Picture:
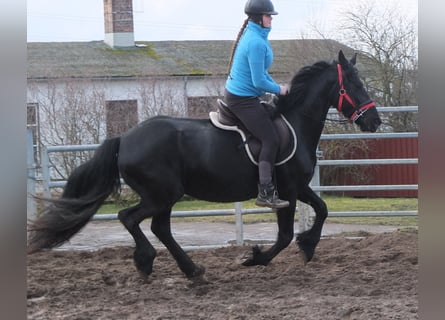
118	15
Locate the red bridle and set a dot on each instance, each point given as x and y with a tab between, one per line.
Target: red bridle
358	111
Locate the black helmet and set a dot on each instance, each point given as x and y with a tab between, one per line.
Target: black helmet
255	7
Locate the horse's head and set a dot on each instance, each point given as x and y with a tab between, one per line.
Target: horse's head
352	99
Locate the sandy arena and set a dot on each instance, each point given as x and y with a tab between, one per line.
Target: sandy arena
374	277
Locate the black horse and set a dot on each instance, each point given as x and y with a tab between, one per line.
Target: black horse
164	158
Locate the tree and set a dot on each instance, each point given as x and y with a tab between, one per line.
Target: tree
387	42
160	98
71	112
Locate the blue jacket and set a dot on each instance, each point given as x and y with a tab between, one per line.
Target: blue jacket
253	56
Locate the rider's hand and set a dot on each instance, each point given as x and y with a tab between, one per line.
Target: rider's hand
283	90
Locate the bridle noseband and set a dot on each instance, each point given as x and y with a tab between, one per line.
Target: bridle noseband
358	111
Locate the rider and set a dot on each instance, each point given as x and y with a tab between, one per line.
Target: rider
248	80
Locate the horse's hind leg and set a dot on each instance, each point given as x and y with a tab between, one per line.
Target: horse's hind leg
160	226
144	253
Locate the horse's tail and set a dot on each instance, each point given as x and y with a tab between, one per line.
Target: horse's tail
86	189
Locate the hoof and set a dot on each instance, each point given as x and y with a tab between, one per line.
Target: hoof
304	258
254	258
197	273
198	281
144	271
143	262
245	259
144	277
307	251
197	278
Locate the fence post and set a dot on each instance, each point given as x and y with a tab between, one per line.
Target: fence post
304	216
316	178
31	211
45	172
305	211
239	223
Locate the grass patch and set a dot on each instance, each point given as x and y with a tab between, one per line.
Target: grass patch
334	203
370	204
381	221
339	204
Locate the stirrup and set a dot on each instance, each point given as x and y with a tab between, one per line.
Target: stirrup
275	204
268	197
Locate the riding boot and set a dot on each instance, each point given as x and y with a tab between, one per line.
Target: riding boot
268	197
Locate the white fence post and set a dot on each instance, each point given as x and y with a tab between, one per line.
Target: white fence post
239	223
45	172
305	212
31	211
304	216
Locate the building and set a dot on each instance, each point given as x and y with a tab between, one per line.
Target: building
178	74
83	92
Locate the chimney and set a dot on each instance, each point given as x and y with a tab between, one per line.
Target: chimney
118	16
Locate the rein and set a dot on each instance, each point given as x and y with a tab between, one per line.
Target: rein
358	111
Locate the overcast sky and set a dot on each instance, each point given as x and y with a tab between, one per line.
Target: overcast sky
154	20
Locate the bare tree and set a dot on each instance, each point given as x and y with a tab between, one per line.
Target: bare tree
158	98
387	41
388	62
71	112
343	149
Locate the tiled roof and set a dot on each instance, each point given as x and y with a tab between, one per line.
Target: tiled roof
163	58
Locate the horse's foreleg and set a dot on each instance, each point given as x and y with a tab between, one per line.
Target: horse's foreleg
285	220
160	226
144	253
308	240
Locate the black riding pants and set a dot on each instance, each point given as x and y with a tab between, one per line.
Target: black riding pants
256	119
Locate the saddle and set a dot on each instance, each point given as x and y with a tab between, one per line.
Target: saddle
225	119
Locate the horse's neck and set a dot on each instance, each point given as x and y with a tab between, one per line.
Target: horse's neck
308	130
308	120
308	117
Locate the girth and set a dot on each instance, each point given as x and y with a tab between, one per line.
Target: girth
225	119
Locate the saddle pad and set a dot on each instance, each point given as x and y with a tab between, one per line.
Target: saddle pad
214	118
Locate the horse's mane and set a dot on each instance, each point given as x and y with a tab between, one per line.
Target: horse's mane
300	85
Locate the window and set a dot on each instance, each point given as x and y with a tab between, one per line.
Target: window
33	123
199	107
121	115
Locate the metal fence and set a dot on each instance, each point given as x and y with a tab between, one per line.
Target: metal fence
305	212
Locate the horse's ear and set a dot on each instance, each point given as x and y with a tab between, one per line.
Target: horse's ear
354	59
341	58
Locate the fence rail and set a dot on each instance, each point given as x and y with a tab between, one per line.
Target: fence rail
238	211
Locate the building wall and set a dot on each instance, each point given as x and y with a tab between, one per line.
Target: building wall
152	96
172	89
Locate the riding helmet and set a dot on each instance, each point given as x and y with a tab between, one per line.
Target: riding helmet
259	7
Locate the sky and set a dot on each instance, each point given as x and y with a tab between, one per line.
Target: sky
160	20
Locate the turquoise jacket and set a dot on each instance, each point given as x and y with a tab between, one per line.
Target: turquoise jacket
253	57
